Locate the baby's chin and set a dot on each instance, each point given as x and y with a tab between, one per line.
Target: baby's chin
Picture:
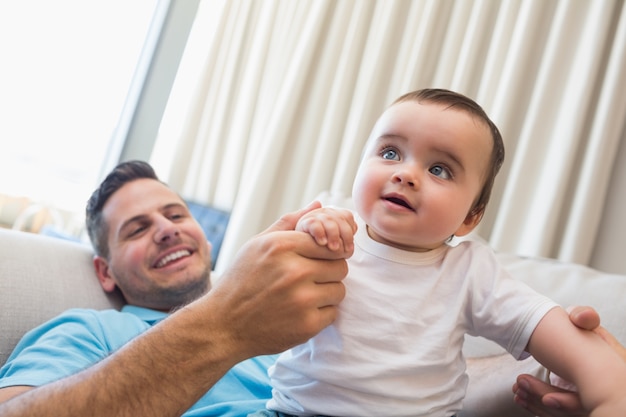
399	240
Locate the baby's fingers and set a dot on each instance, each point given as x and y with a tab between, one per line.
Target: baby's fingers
330	227
318	230
341	234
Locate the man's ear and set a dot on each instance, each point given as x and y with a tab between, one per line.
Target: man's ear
471	221
103	272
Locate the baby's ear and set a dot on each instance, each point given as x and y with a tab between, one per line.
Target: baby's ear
471	221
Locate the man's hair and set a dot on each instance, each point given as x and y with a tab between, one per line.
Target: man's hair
122	174
455	100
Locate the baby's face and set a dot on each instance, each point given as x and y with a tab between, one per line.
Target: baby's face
422	170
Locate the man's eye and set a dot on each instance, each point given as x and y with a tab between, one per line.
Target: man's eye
441	172
176	216
137	230
390	154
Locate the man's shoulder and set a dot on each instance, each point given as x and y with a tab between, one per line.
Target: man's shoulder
89	315
67	343
107	327
82	329
116	321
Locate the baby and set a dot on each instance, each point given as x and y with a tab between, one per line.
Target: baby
395	350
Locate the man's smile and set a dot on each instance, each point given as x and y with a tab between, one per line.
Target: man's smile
172	257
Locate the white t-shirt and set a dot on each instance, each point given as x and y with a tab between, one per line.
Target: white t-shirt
395	349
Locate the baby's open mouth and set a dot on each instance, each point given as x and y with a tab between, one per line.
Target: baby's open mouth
400	202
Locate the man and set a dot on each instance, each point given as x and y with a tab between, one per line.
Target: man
193	360
148	245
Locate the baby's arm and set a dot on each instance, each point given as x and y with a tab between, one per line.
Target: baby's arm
581	357
330	226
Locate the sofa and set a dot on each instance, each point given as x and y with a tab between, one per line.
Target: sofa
41	276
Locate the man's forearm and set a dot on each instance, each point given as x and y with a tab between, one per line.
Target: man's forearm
161	373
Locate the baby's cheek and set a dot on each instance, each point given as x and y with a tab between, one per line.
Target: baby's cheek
361	193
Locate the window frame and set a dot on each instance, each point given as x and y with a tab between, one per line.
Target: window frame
138	125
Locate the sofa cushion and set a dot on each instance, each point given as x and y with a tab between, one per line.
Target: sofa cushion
40	277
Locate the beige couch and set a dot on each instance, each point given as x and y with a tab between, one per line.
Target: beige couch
42	276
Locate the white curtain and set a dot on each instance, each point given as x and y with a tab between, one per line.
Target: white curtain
275	99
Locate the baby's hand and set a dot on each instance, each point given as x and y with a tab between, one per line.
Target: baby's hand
331	227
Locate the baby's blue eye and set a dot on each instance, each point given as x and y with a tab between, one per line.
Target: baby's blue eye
440	171
390	154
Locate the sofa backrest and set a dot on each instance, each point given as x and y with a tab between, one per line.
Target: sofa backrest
40	277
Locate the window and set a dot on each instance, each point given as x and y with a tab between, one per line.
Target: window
67	67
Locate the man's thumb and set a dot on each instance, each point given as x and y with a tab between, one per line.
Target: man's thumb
288	221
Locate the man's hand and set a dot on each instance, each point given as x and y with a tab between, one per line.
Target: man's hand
560	398
282	289
545	400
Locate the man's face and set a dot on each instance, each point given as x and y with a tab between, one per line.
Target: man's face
159	256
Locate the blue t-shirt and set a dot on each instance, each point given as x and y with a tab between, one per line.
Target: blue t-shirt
79	338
